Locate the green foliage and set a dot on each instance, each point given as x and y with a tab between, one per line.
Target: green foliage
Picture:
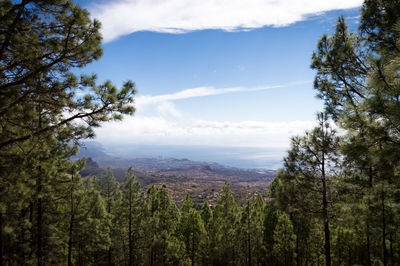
40	43
310	175
206	214
284	240
357	77
249	231
191	230
41	112
223	233
128	239
91	226
162	223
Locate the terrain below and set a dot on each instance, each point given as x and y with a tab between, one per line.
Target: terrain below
202	180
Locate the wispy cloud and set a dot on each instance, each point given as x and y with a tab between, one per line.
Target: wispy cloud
123	17
168	109
206	91
157	130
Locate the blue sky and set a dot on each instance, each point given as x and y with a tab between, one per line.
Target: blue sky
216	73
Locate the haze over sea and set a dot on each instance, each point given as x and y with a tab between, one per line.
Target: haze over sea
242	157
245	157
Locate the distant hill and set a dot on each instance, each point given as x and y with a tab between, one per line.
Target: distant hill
119	155
170	167
94	150
202	180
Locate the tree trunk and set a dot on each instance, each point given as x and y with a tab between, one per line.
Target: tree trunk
350	263
130	227
369	263
109	253
325	214
248	234
82	262
39	236
70	242
1	238
21	250
340	255
327	241
32	241
192	249
383	227
39	208
151	256
71	224
164	251
368	245
297	249
233	255
126	260
391	249
109	256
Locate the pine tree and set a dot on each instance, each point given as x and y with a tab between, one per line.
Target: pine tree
270	220
311	170
191	230
130	219
284	240
75	190
110	191
250	230
93	232
225	218
206	214
165	248
40	44
357	76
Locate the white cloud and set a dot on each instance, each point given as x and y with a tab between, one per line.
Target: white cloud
157	130
170	127
204	91
168	109
123	17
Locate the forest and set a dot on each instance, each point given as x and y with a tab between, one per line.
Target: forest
336	200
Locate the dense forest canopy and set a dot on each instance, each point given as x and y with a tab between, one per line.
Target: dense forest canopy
336	201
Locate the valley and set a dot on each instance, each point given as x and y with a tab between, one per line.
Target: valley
202	180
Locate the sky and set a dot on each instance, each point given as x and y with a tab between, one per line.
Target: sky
220	73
